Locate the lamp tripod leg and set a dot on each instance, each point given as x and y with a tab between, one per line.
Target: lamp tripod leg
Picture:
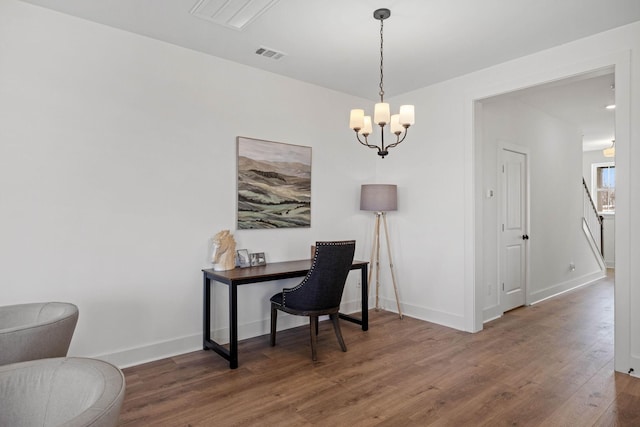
373	251
377	250
393	276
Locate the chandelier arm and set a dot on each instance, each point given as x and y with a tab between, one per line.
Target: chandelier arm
398	139
366	143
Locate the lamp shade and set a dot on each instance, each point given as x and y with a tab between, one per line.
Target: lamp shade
379	197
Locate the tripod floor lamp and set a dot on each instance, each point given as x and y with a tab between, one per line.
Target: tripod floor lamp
380	198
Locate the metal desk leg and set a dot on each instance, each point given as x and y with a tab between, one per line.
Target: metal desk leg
230	354
365	298
206	312
233	326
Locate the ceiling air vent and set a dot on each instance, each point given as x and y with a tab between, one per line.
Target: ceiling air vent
236	14
269	53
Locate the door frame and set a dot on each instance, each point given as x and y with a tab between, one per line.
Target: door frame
502	146
620	60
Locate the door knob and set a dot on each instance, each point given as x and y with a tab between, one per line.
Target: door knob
525	237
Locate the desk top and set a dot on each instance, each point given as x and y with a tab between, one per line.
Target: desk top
264	273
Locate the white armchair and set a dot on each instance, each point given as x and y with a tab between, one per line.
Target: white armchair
70	392
36	331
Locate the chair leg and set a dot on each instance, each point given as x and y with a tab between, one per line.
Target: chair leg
336	327
313	327
274	320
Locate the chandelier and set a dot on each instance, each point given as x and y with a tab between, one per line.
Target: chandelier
611	151
399	123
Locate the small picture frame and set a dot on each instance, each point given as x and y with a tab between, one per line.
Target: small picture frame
258	258
243	258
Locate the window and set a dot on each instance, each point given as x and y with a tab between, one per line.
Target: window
604	187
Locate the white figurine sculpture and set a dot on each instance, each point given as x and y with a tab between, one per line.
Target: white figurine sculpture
224	251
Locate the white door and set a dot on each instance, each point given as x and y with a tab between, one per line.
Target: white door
514	224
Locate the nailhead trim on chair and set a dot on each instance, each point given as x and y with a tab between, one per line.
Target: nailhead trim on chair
313	265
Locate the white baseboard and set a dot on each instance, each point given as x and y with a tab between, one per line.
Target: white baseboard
151	352
567	286
450	320
173	347
491	313
495	312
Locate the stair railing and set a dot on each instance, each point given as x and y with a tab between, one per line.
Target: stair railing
593	219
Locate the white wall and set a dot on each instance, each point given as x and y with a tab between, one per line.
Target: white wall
428	228
555	173
117	166
609	220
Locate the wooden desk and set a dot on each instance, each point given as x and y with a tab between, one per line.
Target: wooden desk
263	273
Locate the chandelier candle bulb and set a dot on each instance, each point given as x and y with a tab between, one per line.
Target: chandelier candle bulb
407	115
396	127
368	128
356	120
381	113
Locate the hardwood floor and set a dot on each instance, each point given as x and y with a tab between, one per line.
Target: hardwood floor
550	364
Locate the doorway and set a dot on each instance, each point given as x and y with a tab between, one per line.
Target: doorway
475	218
531	256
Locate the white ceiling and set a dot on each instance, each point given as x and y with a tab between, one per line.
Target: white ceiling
335	43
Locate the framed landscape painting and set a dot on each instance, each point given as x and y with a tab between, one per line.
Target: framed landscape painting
274	184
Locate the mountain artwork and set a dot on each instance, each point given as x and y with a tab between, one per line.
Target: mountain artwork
274	185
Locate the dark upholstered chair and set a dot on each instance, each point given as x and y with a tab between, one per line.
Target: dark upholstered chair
70	392
320	292
36	331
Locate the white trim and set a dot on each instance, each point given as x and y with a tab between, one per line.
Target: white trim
150	352
163	349
451	320
569	285
623	321
491	313
472	219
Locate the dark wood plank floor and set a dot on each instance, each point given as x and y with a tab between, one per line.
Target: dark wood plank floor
550	364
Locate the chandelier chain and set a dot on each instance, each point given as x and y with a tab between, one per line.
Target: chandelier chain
381	93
